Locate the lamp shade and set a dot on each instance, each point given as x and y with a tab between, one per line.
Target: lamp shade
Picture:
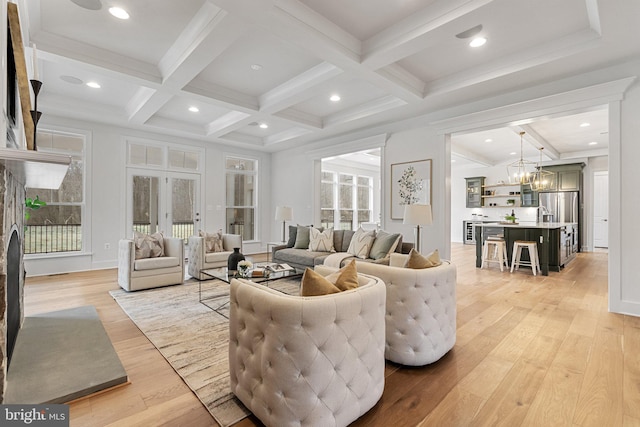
284	213
417	214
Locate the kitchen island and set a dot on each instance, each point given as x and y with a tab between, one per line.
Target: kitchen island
557	241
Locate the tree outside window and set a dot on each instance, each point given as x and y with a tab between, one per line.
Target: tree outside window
57	227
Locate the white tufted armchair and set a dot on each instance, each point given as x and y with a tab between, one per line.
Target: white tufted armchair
200	259
307	361
421	309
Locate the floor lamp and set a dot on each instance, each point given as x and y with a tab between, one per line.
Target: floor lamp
417	215
284	214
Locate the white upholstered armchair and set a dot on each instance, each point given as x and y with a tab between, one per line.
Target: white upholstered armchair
200	259
136	274
310	361
421	309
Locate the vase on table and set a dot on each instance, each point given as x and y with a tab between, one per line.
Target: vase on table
234	259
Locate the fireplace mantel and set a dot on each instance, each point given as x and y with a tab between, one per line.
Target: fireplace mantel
35	169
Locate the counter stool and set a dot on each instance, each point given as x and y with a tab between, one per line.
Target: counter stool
534	261
495	250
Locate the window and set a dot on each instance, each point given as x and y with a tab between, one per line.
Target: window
345	200
57	227
241	196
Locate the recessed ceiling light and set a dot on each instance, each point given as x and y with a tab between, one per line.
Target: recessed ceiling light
513	153
335	98
453	160
71	79
478	41
488	140
263	125
593	143
194	109
94	85
584	125
119	12
256	67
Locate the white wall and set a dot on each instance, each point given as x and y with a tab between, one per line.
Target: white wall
106	199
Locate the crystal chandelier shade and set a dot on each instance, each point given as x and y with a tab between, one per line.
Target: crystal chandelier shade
521	171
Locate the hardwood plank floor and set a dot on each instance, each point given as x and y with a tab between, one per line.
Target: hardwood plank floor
530	351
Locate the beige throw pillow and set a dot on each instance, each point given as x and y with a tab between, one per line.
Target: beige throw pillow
361	243
418	261
346	278
314	284
212	242
321	241
148	245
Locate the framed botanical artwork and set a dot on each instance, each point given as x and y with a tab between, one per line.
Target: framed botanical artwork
410	184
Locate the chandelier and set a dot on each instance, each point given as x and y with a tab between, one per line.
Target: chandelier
521	171
541	178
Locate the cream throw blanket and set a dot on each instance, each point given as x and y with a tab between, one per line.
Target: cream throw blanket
334	260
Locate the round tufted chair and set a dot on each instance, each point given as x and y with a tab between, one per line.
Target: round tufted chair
421	309
307	361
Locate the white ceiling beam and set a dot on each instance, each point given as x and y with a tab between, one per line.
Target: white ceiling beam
518	61
471	156
297	89
208	34
364	110
285	135
537	141
408	36
585	153
230	122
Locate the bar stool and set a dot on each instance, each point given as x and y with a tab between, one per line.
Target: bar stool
534	261
495	250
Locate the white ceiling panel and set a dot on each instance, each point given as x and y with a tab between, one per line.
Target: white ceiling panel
365	18
509	27
152	28
279	62
178	109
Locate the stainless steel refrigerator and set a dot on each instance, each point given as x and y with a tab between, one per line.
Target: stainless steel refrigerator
563	205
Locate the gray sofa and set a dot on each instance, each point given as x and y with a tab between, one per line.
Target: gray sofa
302	258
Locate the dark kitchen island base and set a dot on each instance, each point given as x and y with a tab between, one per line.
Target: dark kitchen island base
557	242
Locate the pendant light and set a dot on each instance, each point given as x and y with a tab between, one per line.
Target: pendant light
541	178
521	171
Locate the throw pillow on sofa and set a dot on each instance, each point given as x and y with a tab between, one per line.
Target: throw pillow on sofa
148	245
419	261
302	237
384	244
321	241
361	243
212	242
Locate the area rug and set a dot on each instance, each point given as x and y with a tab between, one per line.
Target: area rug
193	338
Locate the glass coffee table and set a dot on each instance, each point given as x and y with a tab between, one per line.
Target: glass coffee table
218	299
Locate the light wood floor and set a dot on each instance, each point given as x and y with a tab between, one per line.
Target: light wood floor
534	351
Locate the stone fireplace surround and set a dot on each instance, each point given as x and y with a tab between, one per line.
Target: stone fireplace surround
12	196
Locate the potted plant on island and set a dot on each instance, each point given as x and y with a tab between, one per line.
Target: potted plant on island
510	217
511	202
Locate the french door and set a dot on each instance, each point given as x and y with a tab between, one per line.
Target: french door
168	202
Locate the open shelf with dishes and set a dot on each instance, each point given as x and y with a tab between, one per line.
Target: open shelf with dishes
501	193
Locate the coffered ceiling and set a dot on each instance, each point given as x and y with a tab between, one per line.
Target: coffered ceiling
246	63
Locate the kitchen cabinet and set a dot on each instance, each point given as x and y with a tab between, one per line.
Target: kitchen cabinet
565	177
474	191
528	196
